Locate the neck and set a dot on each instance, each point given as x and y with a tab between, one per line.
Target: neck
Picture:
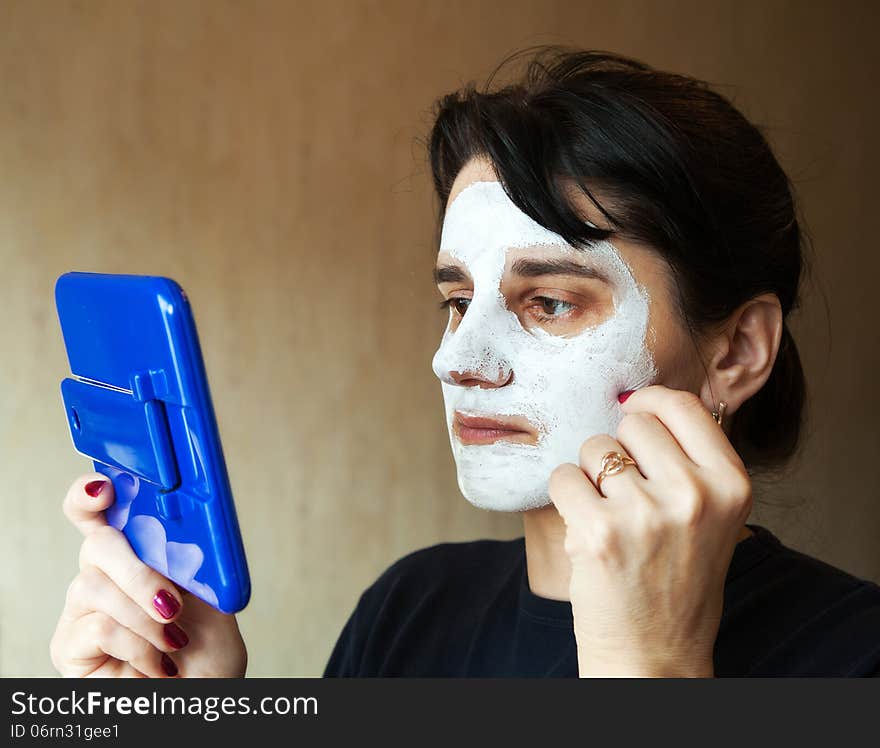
549	569
547	564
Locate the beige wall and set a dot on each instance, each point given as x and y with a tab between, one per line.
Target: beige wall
264	155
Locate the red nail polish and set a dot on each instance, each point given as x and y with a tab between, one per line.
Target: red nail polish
166	604
175	636
168	666
621	398
93	488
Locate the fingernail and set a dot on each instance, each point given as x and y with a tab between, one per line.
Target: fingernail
93	488
168	666
175	635
621	398
166	604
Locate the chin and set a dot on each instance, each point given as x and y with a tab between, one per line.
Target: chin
509	502
504	476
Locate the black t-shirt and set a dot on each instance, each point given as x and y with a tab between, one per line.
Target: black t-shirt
466	610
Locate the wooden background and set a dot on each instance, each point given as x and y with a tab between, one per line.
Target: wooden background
267	155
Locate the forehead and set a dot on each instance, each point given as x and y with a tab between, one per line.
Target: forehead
480	169
483	216
487	234
477	169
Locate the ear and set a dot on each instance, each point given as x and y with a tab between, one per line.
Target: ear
743	353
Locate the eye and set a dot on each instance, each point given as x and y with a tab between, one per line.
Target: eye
458	304
547	307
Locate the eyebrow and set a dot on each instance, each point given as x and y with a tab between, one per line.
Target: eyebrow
532	268
450	274
525	268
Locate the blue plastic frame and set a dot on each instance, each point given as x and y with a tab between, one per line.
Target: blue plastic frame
139	406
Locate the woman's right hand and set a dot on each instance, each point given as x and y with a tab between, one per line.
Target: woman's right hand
123	619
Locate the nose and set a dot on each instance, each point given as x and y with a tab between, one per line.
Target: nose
465	368
481	379
474	354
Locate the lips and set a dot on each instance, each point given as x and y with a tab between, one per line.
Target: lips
483	430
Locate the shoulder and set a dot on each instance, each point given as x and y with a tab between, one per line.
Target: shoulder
440	577
811	616
769	561
405	620
449	562
822	581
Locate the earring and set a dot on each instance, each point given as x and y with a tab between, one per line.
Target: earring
719	414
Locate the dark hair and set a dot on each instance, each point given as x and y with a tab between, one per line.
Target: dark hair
677	167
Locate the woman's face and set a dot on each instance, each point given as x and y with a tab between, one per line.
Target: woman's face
541	339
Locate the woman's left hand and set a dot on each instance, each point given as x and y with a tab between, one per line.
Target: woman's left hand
649	562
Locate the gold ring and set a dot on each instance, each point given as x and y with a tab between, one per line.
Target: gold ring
612	463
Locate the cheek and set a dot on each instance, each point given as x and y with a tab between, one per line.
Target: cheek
669	343
567	375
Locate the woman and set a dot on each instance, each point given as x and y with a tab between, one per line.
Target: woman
619	253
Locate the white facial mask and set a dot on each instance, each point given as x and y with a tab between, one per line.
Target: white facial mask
566	387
